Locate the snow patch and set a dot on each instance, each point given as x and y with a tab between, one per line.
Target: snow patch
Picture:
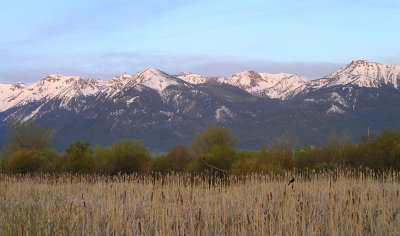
132	100
335	109
223	113
33	113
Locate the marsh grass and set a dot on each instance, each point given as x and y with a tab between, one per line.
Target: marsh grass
335	203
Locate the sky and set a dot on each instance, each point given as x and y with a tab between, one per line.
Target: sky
105	38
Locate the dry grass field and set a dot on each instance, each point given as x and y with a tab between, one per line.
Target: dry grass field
345	203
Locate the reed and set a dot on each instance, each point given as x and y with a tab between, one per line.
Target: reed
343	202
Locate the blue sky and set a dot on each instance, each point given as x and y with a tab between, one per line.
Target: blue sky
105	38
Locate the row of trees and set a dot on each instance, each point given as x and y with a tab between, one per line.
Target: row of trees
214	150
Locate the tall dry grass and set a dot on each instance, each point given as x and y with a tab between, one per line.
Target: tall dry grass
336	203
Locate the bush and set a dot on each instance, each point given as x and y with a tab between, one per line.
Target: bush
126	157
255	163
80	158
24	161
213	136
387	149
176	160
219	159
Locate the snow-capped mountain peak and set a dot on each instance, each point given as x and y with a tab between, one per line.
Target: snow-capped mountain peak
149	72
365	74
361	73
194	78
153	78
7	90
279	85
49	87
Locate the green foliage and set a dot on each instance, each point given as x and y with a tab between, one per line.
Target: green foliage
176	160
213	151
323	166
126	156
218	159
387	147
213	136
54	163
80	158
258	162
28	161
28	135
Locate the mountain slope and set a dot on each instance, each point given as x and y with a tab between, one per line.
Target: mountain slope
280	85
165	110
364	74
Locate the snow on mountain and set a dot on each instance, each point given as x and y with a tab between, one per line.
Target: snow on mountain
153	78
282	86
116	84
287	86
54	86
7	90
222	114
364	74
264	84
335	109
260	84
194	78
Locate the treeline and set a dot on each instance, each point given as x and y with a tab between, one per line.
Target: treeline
214	150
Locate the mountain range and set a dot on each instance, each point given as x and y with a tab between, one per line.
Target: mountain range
165	110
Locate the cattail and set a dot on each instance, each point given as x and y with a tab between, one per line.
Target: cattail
162	195
198	221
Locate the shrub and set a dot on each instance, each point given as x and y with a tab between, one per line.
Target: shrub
23	161
213	136
219	159
176	160
80	158
127	156
255	163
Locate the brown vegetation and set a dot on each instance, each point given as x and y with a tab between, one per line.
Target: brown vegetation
329	203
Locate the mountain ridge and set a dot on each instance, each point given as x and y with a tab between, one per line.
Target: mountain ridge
280	85
163	109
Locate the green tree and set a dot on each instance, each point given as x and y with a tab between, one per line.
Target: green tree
26	161
80	158
215	150
218	159
387	149
176	160
28	135
23	161
255	162
126	156
212	136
